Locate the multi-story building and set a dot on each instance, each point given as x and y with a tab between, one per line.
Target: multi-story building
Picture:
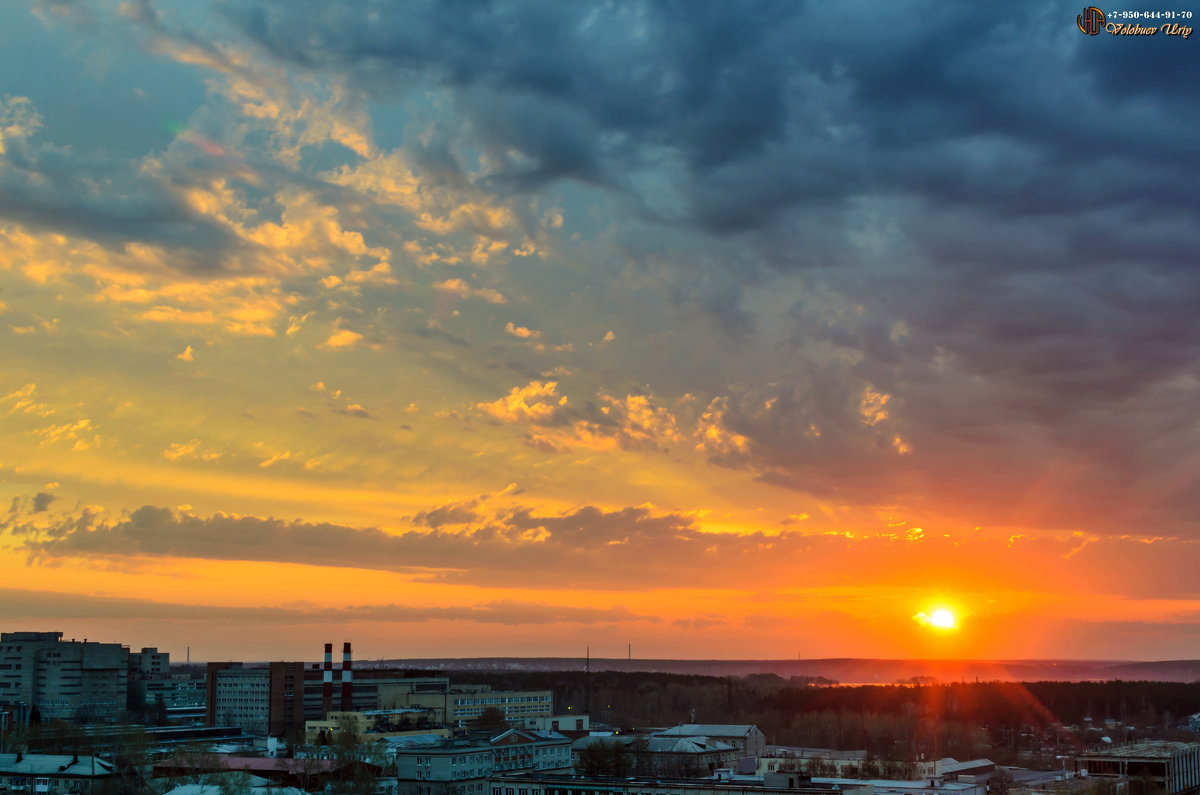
455	705
266	700
433	765
151	682
149	663
68	680
176	692
540	751
365	690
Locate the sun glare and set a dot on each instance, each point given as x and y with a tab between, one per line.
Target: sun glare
942	619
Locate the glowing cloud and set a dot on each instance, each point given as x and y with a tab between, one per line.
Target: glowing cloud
342	338
520	332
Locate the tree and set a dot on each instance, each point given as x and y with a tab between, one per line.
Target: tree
198	762
131	756
605	758
491	719
1000	782
235	782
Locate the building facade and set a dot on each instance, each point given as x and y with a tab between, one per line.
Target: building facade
260	701
456	705
64	679
1171	767
431	765
545	784
367	690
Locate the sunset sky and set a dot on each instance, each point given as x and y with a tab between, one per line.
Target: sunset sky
719	329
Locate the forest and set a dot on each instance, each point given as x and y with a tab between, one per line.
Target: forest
1008	722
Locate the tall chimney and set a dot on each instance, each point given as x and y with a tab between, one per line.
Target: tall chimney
327	683
347	679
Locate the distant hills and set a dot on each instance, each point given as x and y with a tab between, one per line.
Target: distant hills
846	671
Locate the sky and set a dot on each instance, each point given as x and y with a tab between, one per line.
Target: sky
693	330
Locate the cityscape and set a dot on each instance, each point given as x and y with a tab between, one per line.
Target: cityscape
599	397
83	717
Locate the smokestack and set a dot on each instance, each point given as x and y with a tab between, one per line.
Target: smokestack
347	679
327	682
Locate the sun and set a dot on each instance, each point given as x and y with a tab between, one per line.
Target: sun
942	619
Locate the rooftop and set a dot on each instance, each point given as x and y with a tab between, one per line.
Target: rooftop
51	765
708	730
1159	749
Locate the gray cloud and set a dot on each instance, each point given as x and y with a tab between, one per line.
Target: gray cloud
103	199
626	549
41	501
993	223
20	603
990	219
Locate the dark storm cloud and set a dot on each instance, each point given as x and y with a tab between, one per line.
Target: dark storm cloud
549	78
777	105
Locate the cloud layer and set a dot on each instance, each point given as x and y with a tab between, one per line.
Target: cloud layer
735	294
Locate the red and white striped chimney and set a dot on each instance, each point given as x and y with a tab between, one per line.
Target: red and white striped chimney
327	682
347	679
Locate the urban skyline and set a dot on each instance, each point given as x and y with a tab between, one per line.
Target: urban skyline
720	330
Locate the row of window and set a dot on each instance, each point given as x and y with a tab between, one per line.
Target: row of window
502	700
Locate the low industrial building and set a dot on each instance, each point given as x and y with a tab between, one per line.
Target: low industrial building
1171	767
746	737
311	775
668	757
542	784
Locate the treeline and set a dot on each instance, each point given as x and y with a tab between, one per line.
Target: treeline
1002	720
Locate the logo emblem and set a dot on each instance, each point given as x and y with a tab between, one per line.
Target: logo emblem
1091	21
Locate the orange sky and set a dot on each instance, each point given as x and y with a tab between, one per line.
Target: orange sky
458	353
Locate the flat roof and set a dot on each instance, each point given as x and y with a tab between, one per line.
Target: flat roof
610	783
896	784
1159	749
